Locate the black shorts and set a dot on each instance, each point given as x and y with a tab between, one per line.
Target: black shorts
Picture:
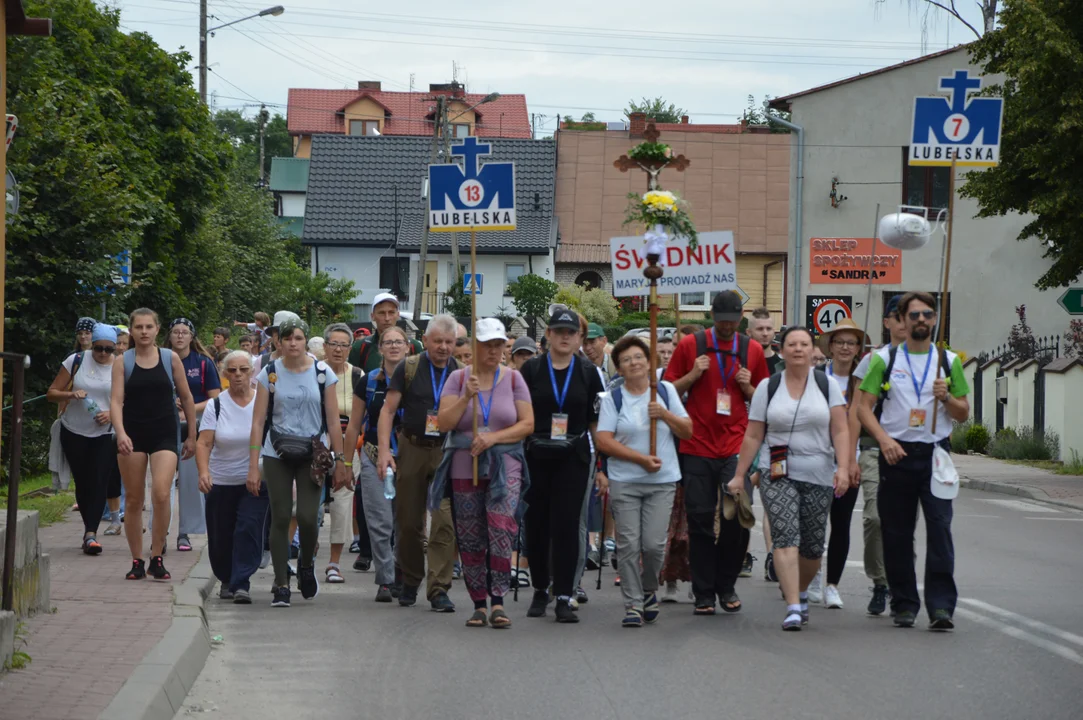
155	436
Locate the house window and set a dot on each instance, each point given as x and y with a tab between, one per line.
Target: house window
460	130
512	272
364	127
590	278
395	275
698	299
925	186
464	268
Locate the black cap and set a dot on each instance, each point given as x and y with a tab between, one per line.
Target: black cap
891	307
726	306
564	318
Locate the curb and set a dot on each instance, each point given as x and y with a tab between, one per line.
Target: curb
162	679
993	486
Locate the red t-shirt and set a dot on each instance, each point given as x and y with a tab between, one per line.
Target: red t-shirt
714	435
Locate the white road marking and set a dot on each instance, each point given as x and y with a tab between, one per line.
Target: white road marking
1024	620
1021	505
973	515
1014	632
1061	519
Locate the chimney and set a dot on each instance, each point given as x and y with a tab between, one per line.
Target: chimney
684	119
454	89
368	85
637	124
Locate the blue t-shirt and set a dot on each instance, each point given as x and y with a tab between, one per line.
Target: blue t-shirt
202	376
297	401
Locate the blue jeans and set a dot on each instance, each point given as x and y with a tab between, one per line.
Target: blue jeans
235	529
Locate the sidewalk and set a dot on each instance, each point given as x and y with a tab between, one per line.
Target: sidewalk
981	473
102	626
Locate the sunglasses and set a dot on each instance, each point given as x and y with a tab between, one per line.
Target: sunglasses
927	314
104	348
239	371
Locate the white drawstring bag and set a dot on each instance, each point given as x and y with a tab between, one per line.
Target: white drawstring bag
945	480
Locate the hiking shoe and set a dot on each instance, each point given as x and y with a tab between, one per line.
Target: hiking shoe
816	588
408	596
611	551
564	612
905	619
581	595
383	595
457	571
669	595
241	597
441	603
878	603
832	599
157	569
280	597
396	590
746	568
594	559
769	574
362	564
632	619
307	582
651	608
226	594
941	621
538	604
138	571
114	528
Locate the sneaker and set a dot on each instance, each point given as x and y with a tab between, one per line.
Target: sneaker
594	559
138	571
878	604
769	574
355	547
651	608
746	568
669	594
362	564
157	569
280	597
383	595
241	597
538	604
226	594
265	560
905	619
408	596
832	598
522	579
396	590
457	571
307	582
941	621
581	595
114	528
793	622
574	604
611	551
816	588
632	619
441	603
564	612
616	581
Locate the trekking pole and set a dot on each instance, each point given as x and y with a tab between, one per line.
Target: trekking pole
601	538
518	552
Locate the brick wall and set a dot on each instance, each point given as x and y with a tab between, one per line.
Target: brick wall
567	273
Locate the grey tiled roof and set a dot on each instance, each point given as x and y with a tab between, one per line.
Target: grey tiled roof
360	189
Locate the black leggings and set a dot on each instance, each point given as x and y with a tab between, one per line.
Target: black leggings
838	547
554	507
93	462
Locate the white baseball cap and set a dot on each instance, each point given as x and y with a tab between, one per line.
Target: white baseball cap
384	297
490	329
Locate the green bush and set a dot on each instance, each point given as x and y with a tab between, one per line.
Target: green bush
614	333
977	439
958	437
1025	443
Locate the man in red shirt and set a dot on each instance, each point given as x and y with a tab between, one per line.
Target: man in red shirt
719	370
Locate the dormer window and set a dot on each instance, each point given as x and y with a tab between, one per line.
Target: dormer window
364	127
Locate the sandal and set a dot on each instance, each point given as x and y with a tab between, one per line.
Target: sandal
113	529
333	574
500	620
730	602
479	619
91	546
632	619
704	608
183	544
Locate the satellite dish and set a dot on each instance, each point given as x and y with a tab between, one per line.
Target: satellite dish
904	231
11	187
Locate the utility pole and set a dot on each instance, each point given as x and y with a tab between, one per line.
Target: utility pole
262	124
437	121
446	130
203	51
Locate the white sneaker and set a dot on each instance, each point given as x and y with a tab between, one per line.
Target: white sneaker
831	597
265	560
669	595
816	588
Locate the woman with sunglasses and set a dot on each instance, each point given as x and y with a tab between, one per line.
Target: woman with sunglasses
235	514
84	383
378	509
202	375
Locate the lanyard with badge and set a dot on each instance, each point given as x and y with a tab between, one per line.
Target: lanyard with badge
723	401
917	415
559	428
432	427
487	408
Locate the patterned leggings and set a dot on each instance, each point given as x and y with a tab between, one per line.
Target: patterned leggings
484	525
798	514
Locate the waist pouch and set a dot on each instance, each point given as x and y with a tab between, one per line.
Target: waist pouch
372	453
294	449
546	448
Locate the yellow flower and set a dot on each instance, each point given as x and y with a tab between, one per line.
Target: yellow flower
272	378
886	386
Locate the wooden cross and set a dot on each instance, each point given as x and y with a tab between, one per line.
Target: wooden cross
652	167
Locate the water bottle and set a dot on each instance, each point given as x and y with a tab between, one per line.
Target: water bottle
91	406
389	483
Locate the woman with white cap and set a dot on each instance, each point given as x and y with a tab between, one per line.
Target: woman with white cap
487	512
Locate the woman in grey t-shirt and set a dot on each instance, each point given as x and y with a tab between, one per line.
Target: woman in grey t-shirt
804	424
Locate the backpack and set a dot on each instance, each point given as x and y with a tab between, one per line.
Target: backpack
617	393
742	346
942	361
76	363
321	381
775	381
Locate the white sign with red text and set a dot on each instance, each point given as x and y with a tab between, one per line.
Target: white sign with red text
709	267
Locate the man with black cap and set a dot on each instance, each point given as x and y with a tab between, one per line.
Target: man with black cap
719	370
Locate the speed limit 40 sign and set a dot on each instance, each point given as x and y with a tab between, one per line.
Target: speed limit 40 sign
823	313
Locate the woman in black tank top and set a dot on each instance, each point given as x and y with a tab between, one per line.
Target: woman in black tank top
144	415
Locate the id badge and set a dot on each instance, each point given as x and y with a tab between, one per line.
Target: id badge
483	429
723	403
559	429
432	427
917	418
779	454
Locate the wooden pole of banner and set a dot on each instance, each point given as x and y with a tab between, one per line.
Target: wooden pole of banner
676	315
474	329
653	272
944	305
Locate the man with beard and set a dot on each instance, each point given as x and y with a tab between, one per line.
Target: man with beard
897	408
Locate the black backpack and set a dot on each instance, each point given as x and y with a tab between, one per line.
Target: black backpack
942	361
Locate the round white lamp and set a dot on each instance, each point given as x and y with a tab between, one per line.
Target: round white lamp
905	231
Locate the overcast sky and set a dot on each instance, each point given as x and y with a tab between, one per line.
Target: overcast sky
706	56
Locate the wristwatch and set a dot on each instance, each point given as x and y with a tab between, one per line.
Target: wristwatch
339	457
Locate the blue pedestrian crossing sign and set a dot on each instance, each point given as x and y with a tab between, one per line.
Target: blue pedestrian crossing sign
967	130
472	282
474	196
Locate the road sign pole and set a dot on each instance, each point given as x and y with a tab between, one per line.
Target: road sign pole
872	264
474	332
945	305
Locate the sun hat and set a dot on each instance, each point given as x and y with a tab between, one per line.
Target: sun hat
281	316
490	329
846	324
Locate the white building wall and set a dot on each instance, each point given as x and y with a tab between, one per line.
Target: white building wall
855	132
293	204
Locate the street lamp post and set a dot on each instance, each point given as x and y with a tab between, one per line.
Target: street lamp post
204	32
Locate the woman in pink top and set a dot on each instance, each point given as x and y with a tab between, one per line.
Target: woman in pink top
486	514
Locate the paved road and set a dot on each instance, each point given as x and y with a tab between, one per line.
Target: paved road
1017	651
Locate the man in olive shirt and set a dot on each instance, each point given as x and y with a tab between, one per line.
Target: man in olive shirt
416	386
365	352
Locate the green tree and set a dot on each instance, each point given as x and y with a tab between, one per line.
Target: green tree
587	117
656	109
758	114
456	302
531	295
319	299
243	133
1039	48
595	304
